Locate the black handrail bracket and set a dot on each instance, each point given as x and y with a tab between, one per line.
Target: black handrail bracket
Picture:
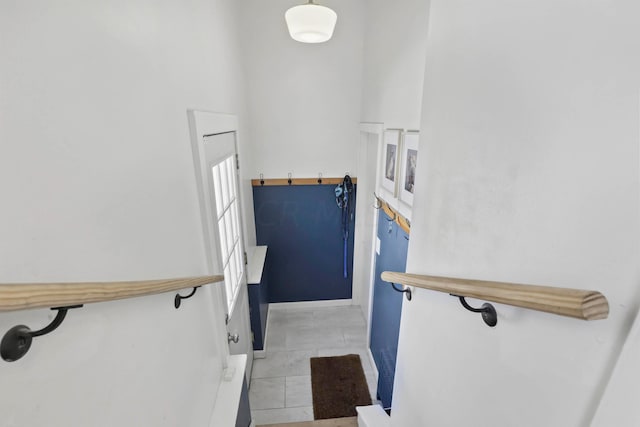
17	341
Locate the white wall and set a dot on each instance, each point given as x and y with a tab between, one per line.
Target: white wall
304	99
395	37
529	173
618	406
393	75
97	183
395	46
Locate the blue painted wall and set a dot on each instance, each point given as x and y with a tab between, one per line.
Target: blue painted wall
259	306
303	228
387	305
243	418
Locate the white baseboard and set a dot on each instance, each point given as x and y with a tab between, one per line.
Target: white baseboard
310	304
373	363
262	354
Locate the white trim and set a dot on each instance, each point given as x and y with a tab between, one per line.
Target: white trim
373	363
617	404
372	416
375	128
229	392
392	137
259	354
378	130
410	141
205	123
256	256
262	354
210	123
202	124
310	304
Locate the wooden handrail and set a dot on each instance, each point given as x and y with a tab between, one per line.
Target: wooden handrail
22	296
581	304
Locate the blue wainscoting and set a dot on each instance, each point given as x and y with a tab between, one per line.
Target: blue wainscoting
259	306
387	305
302	227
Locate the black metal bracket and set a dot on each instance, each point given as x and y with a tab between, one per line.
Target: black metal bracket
178	298
319	178
405	291
289	180
378	203
489	314
17	341
261	179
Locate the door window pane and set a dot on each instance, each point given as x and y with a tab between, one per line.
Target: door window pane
218	191
224	184
224	177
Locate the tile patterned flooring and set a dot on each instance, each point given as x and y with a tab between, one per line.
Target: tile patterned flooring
280	389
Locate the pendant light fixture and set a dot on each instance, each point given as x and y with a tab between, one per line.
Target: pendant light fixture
310	23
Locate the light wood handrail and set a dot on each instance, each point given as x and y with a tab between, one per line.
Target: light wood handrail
577	303
22	296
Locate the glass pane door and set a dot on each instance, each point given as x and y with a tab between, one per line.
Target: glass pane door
228	220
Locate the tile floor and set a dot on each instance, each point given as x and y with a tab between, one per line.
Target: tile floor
280	389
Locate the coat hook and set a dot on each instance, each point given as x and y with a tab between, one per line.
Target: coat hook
178	299
289	180
377	204
405	291
319	178
395	215
489	314
17	341
261	179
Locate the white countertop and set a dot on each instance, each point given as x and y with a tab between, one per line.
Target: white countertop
256	256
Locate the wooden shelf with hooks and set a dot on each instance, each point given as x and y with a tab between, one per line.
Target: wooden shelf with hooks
396	216
299	181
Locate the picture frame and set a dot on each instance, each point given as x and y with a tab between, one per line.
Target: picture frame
390	158
408	165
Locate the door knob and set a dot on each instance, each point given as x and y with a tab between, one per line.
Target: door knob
235	338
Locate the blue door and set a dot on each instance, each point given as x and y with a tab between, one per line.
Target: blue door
387	305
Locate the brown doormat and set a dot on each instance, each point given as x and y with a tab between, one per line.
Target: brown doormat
338	385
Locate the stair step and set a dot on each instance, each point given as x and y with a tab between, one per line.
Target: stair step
373	416
334	422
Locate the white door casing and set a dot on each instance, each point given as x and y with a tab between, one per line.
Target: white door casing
370	147
214	140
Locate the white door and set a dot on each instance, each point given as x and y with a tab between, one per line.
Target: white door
215	155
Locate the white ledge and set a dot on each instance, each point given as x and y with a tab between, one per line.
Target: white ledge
256	257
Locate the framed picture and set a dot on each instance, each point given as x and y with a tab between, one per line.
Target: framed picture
390	156
408	167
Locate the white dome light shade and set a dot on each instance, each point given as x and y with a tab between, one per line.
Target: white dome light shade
311	23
